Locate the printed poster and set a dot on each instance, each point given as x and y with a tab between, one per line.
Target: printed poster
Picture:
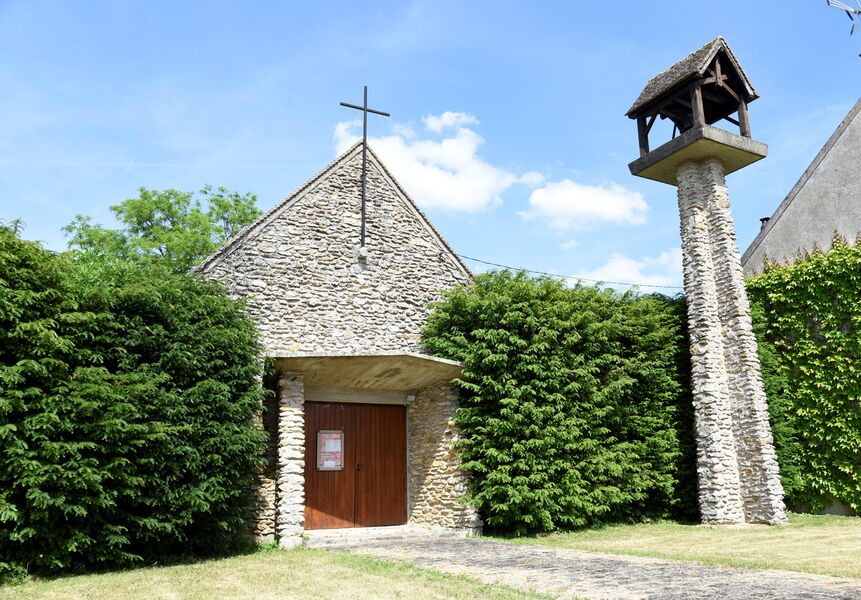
330	450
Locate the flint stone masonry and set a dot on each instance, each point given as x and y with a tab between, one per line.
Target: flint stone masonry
436	486
263	515
737	467
314	293
299	271
290	495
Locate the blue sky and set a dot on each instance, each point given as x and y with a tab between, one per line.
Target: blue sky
507	123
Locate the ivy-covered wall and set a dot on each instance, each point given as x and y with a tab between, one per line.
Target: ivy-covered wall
808	319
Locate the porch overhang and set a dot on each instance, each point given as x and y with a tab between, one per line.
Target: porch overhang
401	371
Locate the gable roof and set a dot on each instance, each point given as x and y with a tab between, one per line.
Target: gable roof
802	181
693	65
273	213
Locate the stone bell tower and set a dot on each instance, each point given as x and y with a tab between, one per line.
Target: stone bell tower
737	467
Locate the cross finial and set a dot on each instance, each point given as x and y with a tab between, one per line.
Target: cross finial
365	110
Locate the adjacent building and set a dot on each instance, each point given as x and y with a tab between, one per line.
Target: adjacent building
826	201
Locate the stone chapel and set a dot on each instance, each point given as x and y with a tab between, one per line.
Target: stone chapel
360	428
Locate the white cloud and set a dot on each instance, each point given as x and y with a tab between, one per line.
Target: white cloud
567	205
531	178
448	120
445	174
664	269
569	244
403	130
344	136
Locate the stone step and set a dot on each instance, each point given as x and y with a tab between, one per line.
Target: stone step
333	538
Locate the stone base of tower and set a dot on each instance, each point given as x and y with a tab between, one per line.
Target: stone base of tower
739	480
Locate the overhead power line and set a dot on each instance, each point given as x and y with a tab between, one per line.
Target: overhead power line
577	277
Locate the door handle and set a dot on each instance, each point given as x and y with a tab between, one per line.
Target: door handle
359	466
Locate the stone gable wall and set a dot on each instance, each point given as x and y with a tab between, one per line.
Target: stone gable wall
306	286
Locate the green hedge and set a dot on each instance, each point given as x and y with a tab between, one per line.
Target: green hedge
126	397
809	323
575	407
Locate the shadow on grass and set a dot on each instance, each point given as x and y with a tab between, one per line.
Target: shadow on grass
502	534
168	560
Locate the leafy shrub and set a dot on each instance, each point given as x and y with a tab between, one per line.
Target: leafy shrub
125	412
809	319
575	407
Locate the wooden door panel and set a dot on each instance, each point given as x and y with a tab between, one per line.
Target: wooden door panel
329	495
380	465
371	488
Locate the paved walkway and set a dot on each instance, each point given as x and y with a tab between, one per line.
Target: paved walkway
578	574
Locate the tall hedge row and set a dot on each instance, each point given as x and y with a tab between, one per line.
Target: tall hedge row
809	320
126	397
575	407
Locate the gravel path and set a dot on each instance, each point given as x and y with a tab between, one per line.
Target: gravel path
579	574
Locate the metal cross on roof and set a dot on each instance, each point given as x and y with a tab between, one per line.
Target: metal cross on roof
365	110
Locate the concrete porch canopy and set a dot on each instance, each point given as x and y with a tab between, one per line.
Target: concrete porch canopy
397	371
697	144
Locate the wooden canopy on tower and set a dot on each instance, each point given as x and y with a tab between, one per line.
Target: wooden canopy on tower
701	89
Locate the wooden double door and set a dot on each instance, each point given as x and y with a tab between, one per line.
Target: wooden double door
365	485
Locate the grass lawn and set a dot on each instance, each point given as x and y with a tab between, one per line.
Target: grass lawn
294	574
823	544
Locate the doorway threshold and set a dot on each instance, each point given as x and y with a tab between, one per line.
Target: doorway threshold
356	536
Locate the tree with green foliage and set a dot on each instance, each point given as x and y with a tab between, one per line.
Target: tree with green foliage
175	229
126	402
575	407
809	321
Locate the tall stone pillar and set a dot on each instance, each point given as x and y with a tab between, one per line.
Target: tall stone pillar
759	474
737	469
290	519
717	460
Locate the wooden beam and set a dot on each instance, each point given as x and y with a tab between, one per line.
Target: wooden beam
697	104
679	97
715	80
730	91
643	134
719	79
743	118
731	120
650	123
684	102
